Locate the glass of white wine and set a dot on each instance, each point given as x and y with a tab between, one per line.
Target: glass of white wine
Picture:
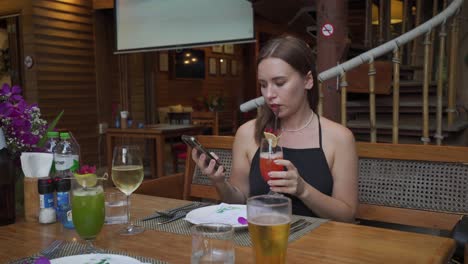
127	175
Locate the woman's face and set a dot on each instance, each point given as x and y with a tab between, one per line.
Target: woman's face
283	88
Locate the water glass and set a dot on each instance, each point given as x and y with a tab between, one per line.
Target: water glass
269	218
212	243
116	208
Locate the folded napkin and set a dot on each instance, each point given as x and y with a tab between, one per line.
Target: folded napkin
35	164
222	213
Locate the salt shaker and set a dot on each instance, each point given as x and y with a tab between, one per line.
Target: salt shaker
45	187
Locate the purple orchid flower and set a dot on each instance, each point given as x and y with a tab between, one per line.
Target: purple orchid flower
12	93
20	122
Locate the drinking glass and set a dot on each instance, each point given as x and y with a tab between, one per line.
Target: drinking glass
212	243
269	218
88	212
127	175
268	154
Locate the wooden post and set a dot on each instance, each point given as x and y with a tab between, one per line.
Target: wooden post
404	23
372	118
384	21
368	41
452	71
440	83
427	43
404	28
343	85
417	23
396	95
330	50
431	47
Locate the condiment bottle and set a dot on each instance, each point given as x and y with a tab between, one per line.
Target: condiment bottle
45	187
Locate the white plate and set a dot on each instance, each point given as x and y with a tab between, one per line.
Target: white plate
96	258
221	213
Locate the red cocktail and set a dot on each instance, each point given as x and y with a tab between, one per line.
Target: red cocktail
269	152
267	164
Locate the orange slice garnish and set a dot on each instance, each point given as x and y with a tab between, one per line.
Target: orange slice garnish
272	138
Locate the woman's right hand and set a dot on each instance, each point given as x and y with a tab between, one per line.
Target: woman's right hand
215	175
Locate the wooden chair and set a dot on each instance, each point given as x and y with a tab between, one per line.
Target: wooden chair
422	186
208	119
197	185
179	150
170	186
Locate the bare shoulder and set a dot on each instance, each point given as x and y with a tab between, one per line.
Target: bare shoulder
246	131
335	133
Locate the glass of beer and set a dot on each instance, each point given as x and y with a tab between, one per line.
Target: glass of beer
269	218
127	175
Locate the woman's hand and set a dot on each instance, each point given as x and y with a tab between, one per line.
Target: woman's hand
288	181
215	176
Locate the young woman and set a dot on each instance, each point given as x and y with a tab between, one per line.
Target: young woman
319	154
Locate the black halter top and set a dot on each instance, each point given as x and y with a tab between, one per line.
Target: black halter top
312	166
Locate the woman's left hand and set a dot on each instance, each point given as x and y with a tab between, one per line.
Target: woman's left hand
288	181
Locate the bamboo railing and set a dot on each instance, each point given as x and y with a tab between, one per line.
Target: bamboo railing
396	95
396	45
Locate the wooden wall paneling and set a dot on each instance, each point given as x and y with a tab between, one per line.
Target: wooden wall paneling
43	12
15	50
62	42
85	3
170	90
123	81
105	65
30	91
63	6
136	87
150	60
13	7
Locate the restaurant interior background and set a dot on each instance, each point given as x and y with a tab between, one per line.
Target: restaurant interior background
68	46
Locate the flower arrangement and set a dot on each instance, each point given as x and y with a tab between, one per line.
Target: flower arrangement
211	103
215	103
21	122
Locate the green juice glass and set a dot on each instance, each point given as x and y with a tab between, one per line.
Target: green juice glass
88	212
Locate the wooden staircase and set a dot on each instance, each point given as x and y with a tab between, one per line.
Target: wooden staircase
411	89
410	111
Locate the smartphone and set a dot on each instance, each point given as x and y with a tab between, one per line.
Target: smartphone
193	142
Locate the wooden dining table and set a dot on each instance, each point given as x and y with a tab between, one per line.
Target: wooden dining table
331	242
159	133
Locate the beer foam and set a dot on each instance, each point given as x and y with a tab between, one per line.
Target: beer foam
270	219
88	191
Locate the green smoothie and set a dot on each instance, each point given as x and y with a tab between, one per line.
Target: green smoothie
88	211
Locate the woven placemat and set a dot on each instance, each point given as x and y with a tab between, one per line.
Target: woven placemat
241	236
75	248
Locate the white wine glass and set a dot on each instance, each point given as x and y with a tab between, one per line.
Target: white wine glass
127	175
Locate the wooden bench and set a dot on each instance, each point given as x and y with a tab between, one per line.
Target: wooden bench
413	185
421	186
